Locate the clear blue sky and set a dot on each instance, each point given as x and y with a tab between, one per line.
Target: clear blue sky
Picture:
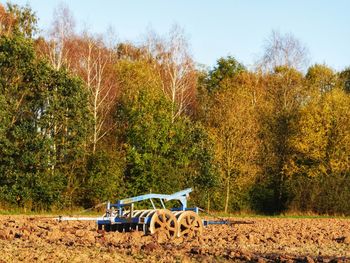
221	27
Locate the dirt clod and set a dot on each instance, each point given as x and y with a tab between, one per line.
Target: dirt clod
150	247
34	239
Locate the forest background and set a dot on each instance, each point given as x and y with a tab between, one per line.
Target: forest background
85	119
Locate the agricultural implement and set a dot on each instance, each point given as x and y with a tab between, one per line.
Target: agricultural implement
175	222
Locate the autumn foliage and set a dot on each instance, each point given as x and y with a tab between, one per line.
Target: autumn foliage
85	118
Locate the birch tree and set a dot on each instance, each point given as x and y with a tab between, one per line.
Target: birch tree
176	68
283	50
94	64
57	48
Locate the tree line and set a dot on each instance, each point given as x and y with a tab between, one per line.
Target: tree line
85	119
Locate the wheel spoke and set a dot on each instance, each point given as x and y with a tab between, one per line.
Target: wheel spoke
184	223
159	221
168	224
172	229
193	219
188	220
164	218
186	231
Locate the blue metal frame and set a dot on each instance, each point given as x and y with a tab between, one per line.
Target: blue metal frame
181	196
123	220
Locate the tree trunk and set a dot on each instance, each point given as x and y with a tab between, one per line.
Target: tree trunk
227	195
208	203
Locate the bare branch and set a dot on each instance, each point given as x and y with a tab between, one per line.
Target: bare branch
175	67
283	50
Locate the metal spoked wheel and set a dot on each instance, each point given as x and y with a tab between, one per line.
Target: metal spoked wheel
164	222
190	224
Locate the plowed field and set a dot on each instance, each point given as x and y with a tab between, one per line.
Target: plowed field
39	239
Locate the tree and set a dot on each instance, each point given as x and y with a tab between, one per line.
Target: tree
319	167
128	51
92	60
283	50
101	179
43	127
176	69
212	81
17	20
58	47
162	154
320	78
226	68
283	91
345	79
94	63
232	124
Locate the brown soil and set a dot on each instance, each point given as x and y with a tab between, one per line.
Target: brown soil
38	239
